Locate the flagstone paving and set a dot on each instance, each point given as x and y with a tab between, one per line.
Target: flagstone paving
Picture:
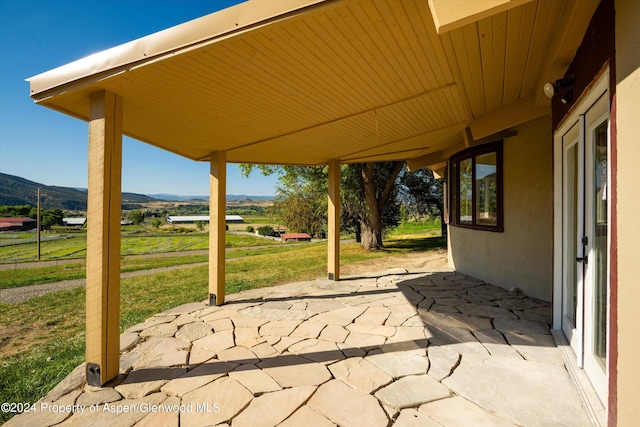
403	348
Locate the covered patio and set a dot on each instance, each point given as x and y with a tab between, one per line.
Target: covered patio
304	82
412	347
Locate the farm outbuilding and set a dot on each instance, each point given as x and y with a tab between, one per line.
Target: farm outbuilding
192	219
18	224
74	222
541	93
297	237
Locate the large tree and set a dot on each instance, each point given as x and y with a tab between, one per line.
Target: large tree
379	190
301	213
136	216
422	195
368	193
51	217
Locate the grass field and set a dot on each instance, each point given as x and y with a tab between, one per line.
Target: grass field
15	278
39	347
75	247
415	229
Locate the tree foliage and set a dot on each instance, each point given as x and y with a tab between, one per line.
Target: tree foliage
380	209
48	217
266	230
301	213
18	211
136	216
301	202
422	195
51	217
371	197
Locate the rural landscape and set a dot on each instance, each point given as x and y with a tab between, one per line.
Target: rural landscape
42	303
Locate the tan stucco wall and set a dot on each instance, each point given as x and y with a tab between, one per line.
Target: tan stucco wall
521	256
628	210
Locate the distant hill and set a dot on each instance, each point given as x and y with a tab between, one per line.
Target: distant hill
176	197
19	191
179	198
245	197
15	190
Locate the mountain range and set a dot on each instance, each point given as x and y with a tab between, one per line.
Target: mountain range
15	190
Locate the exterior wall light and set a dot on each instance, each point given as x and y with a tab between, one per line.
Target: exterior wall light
565	84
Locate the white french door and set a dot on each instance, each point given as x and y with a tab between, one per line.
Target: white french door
596	292
584	142
572	229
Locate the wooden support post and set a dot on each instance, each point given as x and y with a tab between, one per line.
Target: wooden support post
103	238
334	221
217	226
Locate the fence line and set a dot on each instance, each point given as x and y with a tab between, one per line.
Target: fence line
10	242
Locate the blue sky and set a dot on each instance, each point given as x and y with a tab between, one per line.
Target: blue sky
45	146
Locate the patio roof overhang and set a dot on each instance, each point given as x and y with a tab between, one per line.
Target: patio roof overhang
302	82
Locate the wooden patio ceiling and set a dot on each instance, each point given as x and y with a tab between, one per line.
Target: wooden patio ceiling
304	82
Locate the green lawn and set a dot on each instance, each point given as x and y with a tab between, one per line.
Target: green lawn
40	347
41	275
76	247
37	276
427	227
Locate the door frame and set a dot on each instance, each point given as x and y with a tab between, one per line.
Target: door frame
597	375
574	336
590	96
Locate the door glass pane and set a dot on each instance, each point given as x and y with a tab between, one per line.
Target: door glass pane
486	189
571	188
453	193
600	252
466	189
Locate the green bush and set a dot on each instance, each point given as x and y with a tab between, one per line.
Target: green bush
266	230
249	229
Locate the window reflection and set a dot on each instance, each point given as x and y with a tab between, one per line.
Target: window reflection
600	251
466	194
476	188
486	189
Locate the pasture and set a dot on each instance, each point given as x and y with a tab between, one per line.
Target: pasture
42	339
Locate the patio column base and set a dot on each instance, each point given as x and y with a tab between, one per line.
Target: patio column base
212	300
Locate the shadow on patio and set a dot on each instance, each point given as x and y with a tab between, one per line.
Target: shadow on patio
403	348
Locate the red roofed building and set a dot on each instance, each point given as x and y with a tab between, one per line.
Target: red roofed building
298	237
17	224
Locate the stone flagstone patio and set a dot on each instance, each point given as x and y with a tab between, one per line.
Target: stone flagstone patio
406	348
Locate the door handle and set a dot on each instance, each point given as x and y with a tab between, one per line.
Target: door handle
584	259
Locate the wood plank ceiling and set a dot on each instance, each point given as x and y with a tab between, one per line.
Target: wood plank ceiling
351	80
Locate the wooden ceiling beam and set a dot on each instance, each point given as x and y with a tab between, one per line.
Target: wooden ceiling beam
506	117
428	160
432	138
451	14
438	169
436	159
470	142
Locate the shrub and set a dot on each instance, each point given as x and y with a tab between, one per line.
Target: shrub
249	229
136	216
266	230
